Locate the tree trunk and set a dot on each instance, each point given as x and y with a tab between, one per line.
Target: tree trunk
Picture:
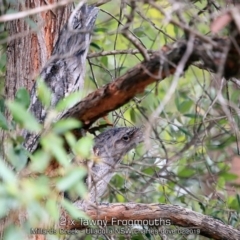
30	44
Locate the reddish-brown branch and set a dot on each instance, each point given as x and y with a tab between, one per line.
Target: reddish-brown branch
124	88
223	60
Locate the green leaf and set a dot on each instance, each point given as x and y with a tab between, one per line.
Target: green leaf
11	10
140	32
3	122
186	173
12	232
137	236
65	125
100	29
184	131
94	45
53	209
78	190
83	147
36	211
225	142
35	188
6	174
3	61
185	106
89	237
18	156
81	189
22	116
194	116
22	97
229	176
202	207
4	203
133	114
238	200
73	211
44	93
68	101
149	170
2	102
13	189
120	198
71	179
70	138
118	180
30	22
54	144
233	203
176	31
222	122
39	161
104	61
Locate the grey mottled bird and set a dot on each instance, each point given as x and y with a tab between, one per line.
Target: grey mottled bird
110	146
65	70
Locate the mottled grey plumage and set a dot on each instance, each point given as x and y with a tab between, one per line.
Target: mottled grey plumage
110	146
65	70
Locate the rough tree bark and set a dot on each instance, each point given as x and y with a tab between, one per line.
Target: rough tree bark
29	48
178	216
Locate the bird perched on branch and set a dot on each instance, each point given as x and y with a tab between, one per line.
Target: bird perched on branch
110	146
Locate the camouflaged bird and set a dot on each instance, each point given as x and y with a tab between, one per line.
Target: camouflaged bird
64	71
110	146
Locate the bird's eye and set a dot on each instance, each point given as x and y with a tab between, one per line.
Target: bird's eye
125	138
